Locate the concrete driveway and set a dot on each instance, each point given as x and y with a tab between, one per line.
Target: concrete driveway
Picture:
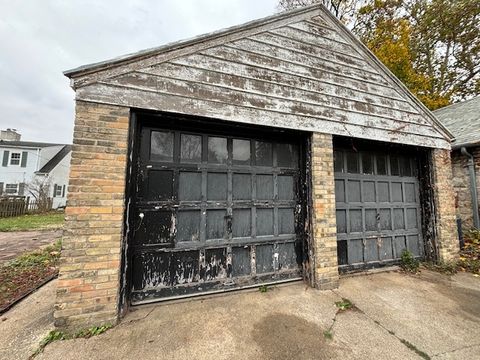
396	316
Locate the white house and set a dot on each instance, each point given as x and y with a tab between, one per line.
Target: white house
27	164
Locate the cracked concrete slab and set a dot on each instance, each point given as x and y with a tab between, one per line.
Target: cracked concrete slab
27	323
436	314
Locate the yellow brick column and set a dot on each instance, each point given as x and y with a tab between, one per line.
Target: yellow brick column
88	285
323	213
444	197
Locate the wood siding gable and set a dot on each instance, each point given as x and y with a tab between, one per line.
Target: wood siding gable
302	71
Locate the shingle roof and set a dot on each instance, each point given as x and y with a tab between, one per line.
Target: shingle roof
463	120
50	165
30	144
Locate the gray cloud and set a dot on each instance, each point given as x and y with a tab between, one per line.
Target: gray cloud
40	39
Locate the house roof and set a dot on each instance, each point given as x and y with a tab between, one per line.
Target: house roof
26	144
54	161
463	120
102	73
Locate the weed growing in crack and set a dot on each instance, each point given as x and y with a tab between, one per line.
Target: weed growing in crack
263	288
328	334
60	335
344	305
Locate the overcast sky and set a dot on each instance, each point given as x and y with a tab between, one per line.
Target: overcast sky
39	39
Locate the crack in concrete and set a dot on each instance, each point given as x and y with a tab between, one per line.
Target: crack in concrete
405	342
455	350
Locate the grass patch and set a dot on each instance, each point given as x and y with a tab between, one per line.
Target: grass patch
60	335
51	220
26	272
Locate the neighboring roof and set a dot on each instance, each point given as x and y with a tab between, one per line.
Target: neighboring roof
102	72
26	144
463	120
53	162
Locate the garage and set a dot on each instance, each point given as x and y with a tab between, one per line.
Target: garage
378	210
273	151
214	211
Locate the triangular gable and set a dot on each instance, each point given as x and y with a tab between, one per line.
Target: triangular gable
300	69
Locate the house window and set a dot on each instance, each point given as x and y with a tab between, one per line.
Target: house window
58	191
15	158
11	189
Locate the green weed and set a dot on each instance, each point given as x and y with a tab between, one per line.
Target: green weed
344	305
408	262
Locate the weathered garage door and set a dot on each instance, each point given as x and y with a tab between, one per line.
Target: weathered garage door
213	211
378	207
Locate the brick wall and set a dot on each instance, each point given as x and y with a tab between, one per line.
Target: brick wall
461	184
88	284
447	236
324	220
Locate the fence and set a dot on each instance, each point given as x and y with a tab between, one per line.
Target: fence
21	205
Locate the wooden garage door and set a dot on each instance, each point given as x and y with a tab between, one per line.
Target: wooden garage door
377	207
213	211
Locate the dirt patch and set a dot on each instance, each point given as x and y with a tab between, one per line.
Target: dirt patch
282	336
26	273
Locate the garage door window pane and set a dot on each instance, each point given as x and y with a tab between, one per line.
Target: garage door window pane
216	224
188	225
191	148
217	150
367	163
352	163
264	222
338	161
394	166
241	152
382	165
161	146
263	153
405	166
286	155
